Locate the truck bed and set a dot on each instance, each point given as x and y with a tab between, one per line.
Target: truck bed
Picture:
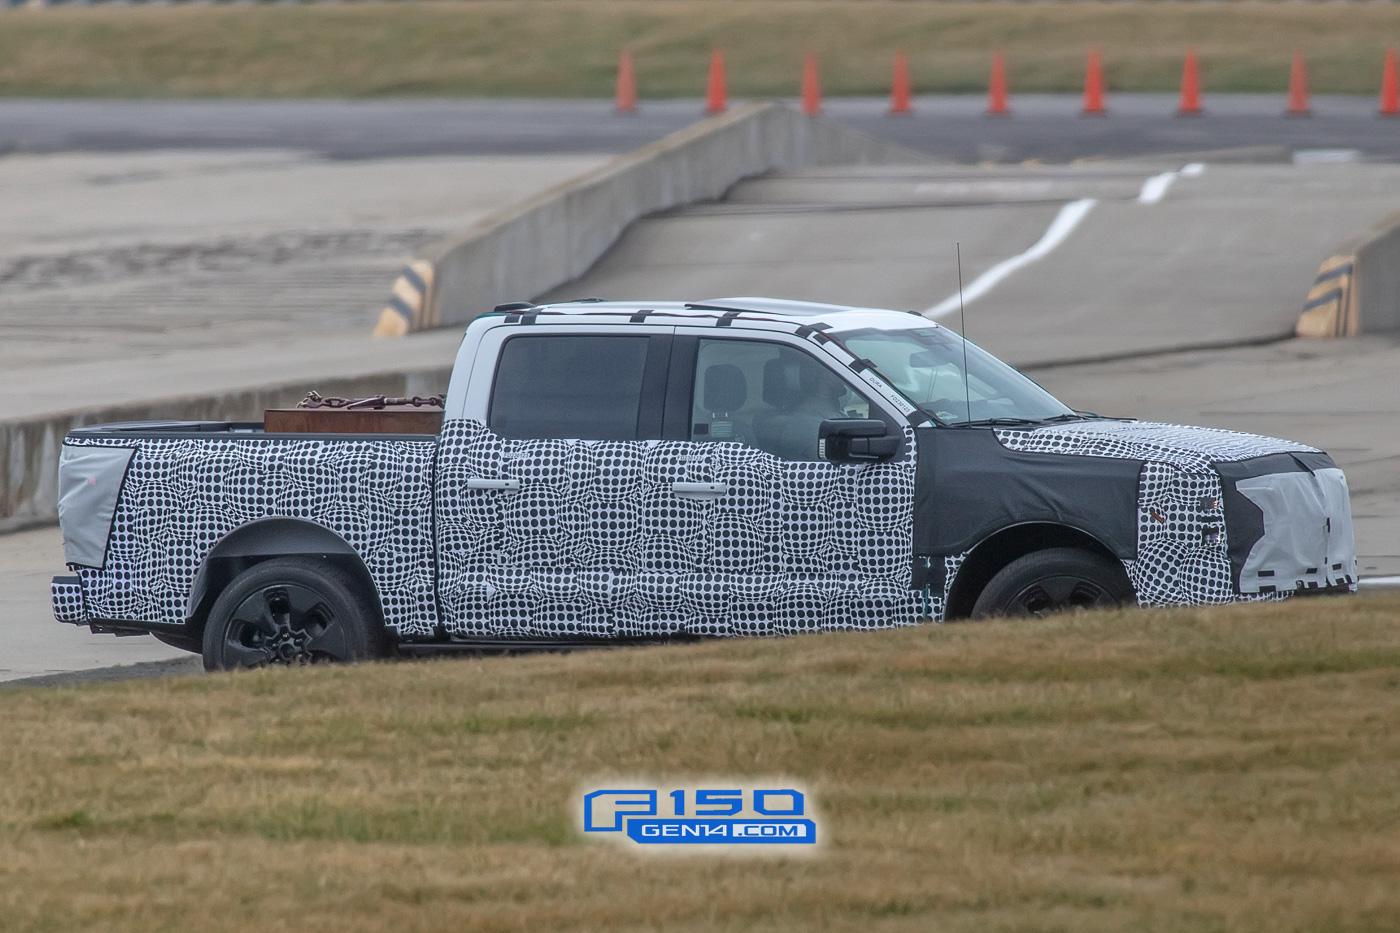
162	495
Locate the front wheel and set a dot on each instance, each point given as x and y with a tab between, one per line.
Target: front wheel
1054	580
292	611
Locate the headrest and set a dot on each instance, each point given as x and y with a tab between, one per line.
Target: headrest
726	389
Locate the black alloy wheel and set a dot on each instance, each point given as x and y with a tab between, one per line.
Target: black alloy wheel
284	625
292	611
1054	580
1057	594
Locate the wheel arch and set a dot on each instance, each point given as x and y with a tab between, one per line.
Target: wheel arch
265	539
1005	545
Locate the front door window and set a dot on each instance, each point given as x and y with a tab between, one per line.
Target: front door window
768	396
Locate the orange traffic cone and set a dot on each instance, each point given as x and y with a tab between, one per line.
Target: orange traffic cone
1093	85
1190	105
1390	85
626	84
900	91
811	86
996	88
1298	88
715	94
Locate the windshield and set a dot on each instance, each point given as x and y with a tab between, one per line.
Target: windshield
926	365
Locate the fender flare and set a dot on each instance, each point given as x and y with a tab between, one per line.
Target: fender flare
264	539
1060	534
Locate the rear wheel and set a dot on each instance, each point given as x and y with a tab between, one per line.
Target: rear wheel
1054	580
292	611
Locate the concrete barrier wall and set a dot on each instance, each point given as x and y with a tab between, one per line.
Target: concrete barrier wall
537	246
1357	290
558	235
29	466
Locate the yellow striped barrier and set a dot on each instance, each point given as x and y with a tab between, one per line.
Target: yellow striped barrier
409	307
1330	309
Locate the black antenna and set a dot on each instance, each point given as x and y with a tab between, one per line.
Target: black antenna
962	326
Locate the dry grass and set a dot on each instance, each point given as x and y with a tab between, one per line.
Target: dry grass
1191	770
568	48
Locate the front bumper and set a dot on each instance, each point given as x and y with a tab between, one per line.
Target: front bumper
68	605
1289	530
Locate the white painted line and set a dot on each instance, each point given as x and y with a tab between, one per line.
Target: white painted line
1059	230
1155	188
1380	581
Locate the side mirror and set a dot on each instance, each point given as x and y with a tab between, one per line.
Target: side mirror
856	440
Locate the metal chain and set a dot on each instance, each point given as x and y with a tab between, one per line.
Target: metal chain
314	399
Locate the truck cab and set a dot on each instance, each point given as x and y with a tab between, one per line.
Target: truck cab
612	471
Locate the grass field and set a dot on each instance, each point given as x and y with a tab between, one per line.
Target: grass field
568	48
1231	769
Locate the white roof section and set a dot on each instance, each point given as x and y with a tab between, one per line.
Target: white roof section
838	317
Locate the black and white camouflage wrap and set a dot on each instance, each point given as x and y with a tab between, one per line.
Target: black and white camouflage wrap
596	543
67	599
1182	551
182	495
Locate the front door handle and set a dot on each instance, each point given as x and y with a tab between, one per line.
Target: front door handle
497	485
700	490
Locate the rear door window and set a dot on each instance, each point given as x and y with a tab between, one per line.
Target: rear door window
569	386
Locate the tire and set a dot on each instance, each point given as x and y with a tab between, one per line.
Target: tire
292	610
1054	580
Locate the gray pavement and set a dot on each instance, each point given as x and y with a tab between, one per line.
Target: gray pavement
340	129
127	256
127	278
127	275
1046	127
1049	127
34	644
1223	257
1339	395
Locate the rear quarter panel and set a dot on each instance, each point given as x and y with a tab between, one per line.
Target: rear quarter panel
183	494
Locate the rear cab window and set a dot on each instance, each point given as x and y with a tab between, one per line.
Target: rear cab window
579	386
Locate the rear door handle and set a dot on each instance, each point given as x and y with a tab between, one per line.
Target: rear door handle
700	490
498	485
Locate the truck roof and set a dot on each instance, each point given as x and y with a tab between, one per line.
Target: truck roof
839	317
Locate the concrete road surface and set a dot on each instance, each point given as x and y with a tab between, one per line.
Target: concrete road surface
124	274
1339	395
121	255
32	644
1155	260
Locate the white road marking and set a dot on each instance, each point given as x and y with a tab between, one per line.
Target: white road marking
1380	581
1059	230
1155	188
1325	156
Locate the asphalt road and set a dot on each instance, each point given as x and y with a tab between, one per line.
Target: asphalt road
1041	127
1224	255
310	205
1157	259
121	256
